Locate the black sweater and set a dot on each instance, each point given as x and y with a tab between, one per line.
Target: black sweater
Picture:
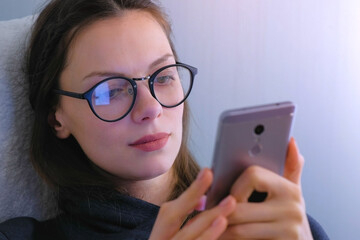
115	216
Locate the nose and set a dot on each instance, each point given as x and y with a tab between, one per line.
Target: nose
146	107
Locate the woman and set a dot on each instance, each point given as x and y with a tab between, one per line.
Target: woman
110	136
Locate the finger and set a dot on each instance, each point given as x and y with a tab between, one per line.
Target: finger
254	231
215	230
172	214
294	163
259	179
254	212
193	197
203	222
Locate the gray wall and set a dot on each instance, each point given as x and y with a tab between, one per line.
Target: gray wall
10	9
253	51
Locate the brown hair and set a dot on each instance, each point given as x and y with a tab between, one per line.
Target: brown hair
62	162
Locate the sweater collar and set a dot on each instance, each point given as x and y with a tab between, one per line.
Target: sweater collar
110	211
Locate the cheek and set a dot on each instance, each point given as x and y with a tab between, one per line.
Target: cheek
103	144
90	132
94	138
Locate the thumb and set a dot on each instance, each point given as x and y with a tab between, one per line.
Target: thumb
294	163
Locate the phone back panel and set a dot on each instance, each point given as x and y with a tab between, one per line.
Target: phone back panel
238	146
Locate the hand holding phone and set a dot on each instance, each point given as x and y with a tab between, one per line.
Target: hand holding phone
249	136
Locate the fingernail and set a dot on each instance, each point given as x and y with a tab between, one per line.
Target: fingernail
201	205
225	202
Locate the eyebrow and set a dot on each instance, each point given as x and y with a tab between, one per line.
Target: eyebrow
107	74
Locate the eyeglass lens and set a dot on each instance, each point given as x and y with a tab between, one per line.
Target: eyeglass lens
112	99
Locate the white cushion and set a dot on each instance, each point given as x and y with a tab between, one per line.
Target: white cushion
22	192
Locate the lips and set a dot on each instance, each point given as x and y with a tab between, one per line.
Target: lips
151	142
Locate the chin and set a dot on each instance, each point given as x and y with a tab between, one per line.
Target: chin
157	165
154	172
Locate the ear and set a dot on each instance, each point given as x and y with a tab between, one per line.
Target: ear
56	122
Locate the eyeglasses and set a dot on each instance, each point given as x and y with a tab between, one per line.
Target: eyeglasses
113	98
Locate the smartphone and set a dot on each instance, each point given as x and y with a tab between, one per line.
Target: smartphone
256	135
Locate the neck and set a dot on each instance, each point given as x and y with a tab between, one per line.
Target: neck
156	190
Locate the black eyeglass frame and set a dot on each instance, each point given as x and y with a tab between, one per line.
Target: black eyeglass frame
87	95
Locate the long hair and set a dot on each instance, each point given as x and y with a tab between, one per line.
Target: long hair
62	162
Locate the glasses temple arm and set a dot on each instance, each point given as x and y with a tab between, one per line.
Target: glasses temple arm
69	94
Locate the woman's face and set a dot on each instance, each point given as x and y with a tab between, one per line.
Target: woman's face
132	45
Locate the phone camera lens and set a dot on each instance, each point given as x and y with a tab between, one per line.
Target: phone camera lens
259	129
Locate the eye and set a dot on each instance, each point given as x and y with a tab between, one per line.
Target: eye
105	97
109	93
112	90
113	93
166	77
164	80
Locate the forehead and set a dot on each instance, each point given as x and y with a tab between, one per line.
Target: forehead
135	36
